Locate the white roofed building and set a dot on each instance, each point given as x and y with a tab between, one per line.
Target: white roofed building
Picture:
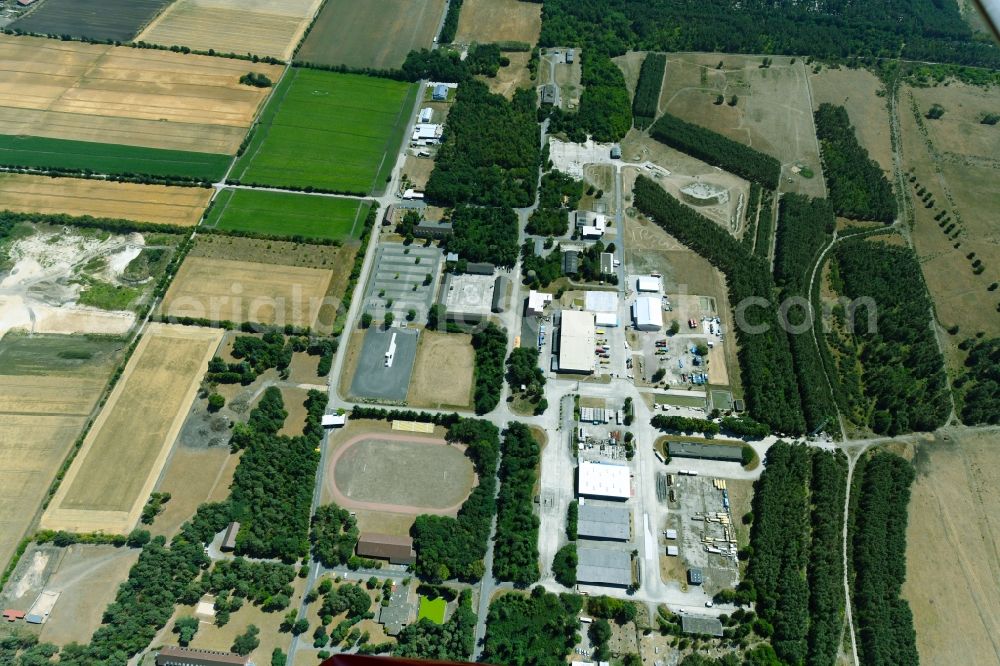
609	319
600	301
647	313
426	133
426	114
604	480
648	283
577	337
537	301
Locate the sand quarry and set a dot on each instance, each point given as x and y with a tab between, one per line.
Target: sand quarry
39	292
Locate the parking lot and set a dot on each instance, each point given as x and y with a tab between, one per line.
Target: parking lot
397	282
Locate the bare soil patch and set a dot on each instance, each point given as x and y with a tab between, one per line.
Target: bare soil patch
125	450
135	97
485	21
442	375
953	559
180	206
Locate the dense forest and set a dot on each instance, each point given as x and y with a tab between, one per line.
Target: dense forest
454	547
795	569
903	373
558	196
805	226
489	152
766	366
858	187
605	111
535	630
451	641
833	29
980	383
490	345
515	549
564	565
334	535
646	103
484	234
717	150
526	378
883	620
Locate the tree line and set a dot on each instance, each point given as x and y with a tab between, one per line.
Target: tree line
334	535
717	150
646	102
859	189
766	366
454	547
515	549
489	152
605	112
980	383
490	345
884	622
903	373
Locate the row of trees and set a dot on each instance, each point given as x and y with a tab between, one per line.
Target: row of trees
883	619
858	186
454	547
484	234
805	227
980	383
830	29
515	549
489	154
539	629
903	372
558	196
646	102
451	641
766	367
490	345
717	150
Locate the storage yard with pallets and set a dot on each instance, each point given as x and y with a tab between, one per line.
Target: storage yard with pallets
332	131
178	206
127	446
120	95
370	34
257	27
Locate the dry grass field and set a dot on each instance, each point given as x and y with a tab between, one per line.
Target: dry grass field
773	113
513	76
442	356
957	160
135	97
953	550
125	450
857	91
239	291
499	20
180	206
192	476
370	34
258	27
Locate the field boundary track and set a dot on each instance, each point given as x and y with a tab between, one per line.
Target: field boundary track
161	434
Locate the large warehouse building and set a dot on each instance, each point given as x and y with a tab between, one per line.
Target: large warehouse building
604	480
647	313
577	337
611	523
601	566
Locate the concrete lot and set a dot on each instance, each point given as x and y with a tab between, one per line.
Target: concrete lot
371	378
398	276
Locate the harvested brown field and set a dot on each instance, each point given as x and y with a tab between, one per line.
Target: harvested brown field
258	27
240	291
125	450
180	206
773	113
442	373
857	91
371	34
485	21
122	95
952	559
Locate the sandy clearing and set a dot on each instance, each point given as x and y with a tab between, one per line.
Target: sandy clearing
181	206
138	97
231	26
125	450
220	289
442	355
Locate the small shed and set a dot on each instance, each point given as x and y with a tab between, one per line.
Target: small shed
334	420
569	56
548	94
672	551
616	152
229	538
571	262
695	576
440	93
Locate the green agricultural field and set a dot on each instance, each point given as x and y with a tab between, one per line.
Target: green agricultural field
330	131
284	214
43	153
432	610
42	354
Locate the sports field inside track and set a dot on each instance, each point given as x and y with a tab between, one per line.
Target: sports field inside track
286	214
337	132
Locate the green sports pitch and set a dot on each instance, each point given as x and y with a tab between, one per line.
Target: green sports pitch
432	610
287	214
331	131
109	158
